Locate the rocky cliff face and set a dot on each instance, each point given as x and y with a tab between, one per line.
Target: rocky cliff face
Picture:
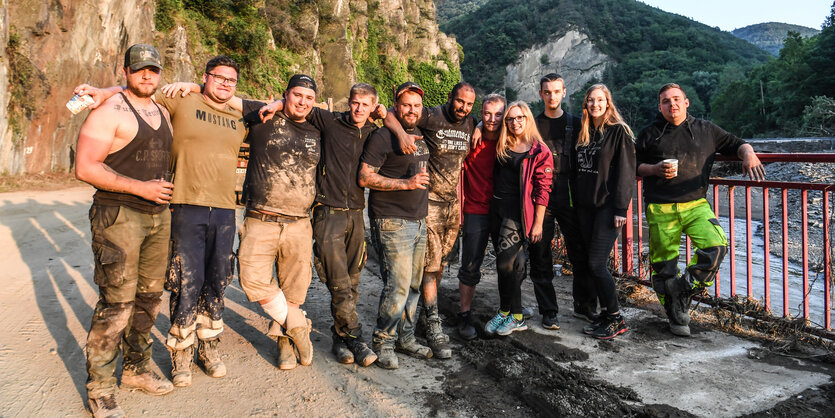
49	46
572	55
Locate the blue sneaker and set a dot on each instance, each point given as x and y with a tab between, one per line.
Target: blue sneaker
512	324
494	324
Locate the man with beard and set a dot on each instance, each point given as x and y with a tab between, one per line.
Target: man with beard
124	148
397	208
207	136
447	131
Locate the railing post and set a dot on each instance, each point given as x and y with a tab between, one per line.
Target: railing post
827	263
766	251
749	262
732	233
626	247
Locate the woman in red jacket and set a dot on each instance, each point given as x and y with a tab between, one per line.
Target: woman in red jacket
605	179
521	186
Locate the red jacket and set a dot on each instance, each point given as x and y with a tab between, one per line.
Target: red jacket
537	176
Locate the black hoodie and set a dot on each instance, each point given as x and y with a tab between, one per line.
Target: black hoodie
605	170
694	143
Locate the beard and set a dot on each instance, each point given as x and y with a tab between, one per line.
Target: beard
141	91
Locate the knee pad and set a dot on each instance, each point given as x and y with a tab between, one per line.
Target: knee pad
708	262
277	308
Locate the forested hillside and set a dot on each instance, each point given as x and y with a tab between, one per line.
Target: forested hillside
770	36
650	47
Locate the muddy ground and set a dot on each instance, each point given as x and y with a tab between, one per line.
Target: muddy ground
48	296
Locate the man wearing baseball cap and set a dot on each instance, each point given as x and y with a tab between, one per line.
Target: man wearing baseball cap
397	205
124	149
279	191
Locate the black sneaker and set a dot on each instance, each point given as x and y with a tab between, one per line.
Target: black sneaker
550	321
611	327
466	329
589	329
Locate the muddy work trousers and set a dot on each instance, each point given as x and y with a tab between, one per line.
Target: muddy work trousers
697	220
339	256
130	248
199	271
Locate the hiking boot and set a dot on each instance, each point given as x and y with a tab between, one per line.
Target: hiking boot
589	329
437	339
466	329
494	324
527	312
210	357
105	407
412	348
585	313
680	330
301	339
341	351
510	325
550	321
386	358
360	352
610	327
286	355
181	361
679	294
149	382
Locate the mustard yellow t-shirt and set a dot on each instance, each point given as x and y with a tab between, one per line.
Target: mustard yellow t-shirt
204	154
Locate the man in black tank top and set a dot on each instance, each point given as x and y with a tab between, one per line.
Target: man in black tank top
124	151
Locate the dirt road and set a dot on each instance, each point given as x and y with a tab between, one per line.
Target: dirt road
47	299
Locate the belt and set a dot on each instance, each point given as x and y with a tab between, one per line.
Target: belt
263	217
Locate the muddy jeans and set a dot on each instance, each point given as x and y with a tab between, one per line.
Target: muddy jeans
130	249
401	246
199	271
339	251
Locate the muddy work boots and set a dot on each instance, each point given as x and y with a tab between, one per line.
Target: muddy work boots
349	350
300	336
675	295
149	382
210	357
105	407
181	361
436	338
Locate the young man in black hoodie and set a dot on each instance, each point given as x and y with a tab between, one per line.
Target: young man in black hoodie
675	195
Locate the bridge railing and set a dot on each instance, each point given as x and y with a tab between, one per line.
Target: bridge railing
632	243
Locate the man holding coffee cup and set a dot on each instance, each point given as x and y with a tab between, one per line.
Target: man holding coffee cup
675	155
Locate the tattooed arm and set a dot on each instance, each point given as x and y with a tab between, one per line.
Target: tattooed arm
106	130
369	177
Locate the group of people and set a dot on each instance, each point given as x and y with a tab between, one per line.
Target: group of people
163	214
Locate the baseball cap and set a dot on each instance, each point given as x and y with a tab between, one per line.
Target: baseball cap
408	86
302	80
139	56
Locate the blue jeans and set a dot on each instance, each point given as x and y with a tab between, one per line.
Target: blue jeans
401	245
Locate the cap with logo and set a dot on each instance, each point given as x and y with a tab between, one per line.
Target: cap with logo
140	56
408	86
302	80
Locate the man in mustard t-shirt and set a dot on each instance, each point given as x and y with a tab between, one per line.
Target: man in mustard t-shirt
207	136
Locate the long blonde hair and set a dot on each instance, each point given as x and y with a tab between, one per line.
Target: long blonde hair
610	117
529	136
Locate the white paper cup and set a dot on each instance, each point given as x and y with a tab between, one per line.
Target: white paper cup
674	163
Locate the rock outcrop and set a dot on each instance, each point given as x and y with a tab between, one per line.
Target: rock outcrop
572	55
49	46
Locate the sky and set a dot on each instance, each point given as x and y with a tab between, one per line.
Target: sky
733	14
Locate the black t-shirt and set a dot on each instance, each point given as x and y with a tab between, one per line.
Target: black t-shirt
283	155
554	131
342	144
383	150
448	144
507	188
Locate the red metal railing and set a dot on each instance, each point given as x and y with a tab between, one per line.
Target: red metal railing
627	251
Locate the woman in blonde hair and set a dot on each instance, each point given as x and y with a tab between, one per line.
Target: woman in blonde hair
605	179
521	186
